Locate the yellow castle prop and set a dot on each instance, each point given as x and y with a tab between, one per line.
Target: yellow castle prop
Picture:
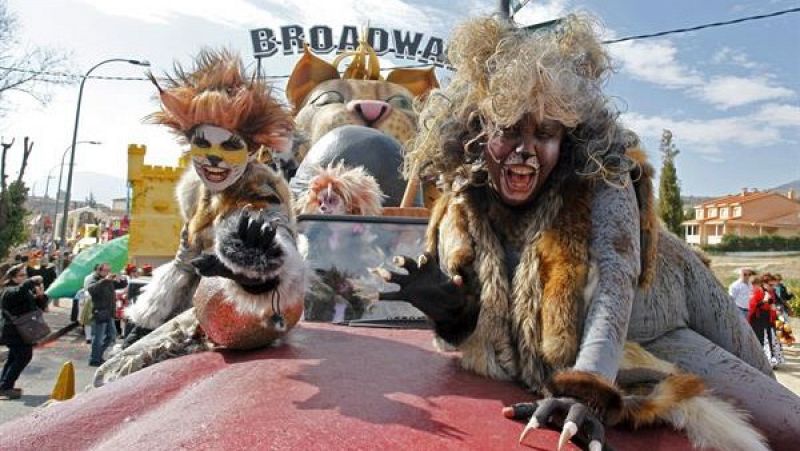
155	222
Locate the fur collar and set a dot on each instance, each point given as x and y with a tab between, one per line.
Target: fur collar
531	319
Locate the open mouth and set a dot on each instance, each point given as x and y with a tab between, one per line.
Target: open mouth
519	178
215	174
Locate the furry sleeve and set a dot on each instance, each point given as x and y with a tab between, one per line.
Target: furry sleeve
169	292
286	266
448	238
613	277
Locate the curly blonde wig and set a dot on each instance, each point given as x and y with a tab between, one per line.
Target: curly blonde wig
505	73
217	91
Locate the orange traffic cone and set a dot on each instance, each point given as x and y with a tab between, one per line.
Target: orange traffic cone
65	384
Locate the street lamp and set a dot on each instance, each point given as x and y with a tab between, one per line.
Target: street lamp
74	142
60	174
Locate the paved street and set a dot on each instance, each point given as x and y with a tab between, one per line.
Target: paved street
39	377
789	373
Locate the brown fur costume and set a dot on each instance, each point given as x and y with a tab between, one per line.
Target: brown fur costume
555	317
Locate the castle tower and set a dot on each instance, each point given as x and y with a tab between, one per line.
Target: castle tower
155	222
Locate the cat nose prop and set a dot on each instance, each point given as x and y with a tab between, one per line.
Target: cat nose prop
371	111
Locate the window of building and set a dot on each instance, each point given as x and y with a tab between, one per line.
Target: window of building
737	211
699	213
723	212
712	212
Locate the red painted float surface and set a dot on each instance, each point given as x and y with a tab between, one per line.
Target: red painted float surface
327	387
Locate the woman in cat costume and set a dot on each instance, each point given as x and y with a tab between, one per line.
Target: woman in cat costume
237	263
546	264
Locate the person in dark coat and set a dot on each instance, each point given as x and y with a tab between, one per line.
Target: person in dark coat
101	285
18	295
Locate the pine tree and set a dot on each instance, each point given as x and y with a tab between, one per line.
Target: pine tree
670	207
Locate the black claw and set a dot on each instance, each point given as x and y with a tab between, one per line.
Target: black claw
268	232
546	409
244	220
254	233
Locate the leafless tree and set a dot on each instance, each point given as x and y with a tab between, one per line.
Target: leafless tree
6	146
21	68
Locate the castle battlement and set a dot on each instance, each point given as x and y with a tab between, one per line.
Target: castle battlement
155	219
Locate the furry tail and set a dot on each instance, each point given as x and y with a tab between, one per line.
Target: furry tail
168	294
682	401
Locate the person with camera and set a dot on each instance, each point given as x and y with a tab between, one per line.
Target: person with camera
101	285
18	295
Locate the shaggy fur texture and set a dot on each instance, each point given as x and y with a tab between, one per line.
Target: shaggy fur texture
258	264
358	190
682	400
585	266
504	74
603	398
168	294
218	91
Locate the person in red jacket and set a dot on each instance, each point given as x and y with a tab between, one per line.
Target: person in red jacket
762	316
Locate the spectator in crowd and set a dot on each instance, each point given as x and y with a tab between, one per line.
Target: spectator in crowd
48	272
101	286
741	290
783	296
762	316
18	295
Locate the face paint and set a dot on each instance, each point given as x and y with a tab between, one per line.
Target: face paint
520	158
219	156
330	203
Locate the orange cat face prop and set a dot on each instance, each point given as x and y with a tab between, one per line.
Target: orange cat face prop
323	100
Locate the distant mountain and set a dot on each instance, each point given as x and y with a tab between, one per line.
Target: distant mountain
691	201
794	184
102	186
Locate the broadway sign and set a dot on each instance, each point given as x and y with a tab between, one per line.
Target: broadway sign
289	40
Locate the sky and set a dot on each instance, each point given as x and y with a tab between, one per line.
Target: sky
730	95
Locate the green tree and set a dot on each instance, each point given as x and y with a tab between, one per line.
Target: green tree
12	200
670	208
13	209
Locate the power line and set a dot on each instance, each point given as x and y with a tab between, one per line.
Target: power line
411	66
700	27
106	77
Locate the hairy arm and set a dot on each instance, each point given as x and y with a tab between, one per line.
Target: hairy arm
170	291
614	253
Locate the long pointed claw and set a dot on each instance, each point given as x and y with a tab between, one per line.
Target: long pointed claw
532	424
594	445
569	431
